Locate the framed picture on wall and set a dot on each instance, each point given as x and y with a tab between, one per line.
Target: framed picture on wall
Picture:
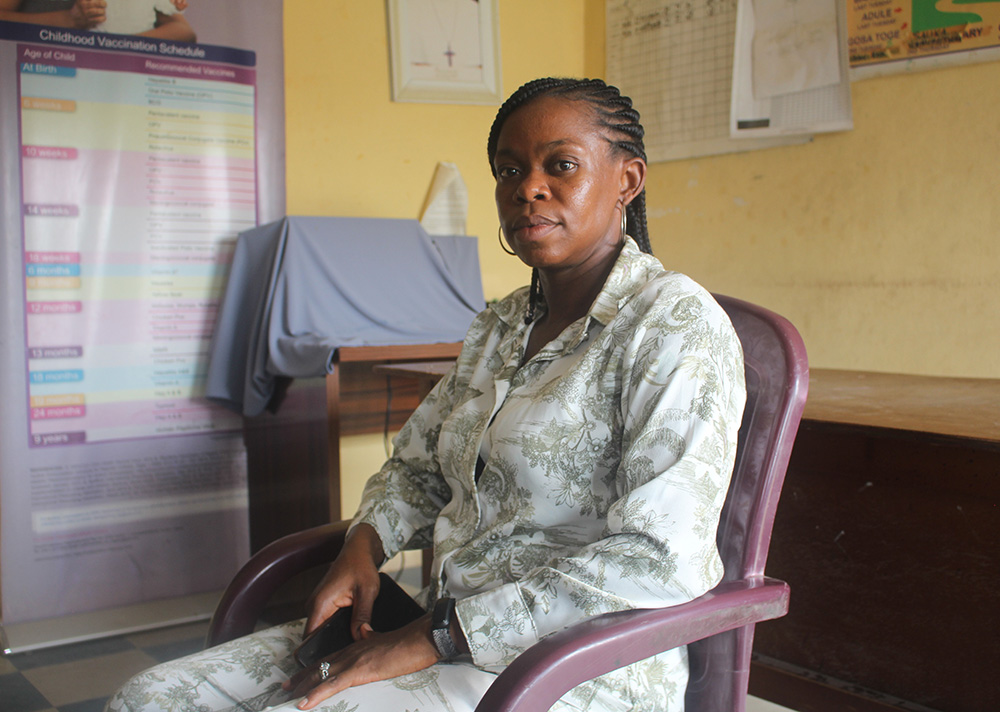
445	51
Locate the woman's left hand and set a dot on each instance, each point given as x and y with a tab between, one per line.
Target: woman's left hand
377	656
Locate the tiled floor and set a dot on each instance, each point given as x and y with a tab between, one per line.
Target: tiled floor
79	678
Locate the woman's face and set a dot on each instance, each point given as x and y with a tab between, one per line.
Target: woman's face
560	186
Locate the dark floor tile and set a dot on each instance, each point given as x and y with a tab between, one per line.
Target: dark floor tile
85	706
19	695
177	649
70	653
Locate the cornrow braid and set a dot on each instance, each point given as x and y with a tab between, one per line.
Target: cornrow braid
614	113
534	295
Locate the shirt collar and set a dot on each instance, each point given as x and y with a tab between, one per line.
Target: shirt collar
620	284
632	269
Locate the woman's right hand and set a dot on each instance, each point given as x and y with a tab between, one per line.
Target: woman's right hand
351	580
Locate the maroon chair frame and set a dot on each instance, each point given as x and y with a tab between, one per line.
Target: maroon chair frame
718	626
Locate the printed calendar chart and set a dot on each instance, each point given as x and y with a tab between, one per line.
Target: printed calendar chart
138	172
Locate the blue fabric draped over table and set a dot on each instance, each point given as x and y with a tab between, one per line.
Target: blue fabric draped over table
301	287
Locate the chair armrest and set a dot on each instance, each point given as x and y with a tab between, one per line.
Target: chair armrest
555	665
244	599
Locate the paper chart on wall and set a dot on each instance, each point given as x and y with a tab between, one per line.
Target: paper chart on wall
795	46
790	71
675	60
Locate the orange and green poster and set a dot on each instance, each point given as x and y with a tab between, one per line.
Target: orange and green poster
882	31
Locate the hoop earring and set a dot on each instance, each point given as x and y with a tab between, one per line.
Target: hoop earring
503	245
623	225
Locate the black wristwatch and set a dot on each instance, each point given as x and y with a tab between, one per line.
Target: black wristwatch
444	611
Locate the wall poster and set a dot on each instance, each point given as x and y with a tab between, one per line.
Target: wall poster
898	35
130	165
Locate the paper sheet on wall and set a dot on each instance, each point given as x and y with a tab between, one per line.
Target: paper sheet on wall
675	60
795	47
447	203
816	102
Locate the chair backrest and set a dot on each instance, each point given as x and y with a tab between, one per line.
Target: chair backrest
777	376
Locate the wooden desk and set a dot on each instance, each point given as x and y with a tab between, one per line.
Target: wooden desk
293	455
366	357
425	373
967	408
888	533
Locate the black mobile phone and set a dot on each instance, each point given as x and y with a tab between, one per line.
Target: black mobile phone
393	608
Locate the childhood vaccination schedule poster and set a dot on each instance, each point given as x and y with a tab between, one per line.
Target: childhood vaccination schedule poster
134	167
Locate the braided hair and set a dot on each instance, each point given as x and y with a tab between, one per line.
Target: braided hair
614	112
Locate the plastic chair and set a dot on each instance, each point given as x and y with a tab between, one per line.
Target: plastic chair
718	626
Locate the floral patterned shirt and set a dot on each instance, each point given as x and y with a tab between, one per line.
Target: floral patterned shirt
609	455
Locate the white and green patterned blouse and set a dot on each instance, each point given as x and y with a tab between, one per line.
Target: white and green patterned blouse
607	460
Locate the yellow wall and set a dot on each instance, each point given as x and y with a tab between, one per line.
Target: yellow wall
880	243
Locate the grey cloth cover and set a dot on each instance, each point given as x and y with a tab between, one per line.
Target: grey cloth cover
301	287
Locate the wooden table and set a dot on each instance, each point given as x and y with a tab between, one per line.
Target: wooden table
425	373
293	456
967	408
888	532
367	357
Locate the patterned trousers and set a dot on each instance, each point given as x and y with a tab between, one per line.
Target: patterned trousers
245	675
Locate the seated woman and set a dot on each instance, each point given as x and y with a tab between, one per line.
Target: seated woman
574	462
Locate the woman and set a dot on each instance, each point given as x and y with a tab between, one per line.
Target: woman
574	461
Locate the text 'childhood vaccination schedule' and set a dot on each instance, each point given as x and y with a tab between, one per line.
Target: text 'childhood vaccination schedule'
138	171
